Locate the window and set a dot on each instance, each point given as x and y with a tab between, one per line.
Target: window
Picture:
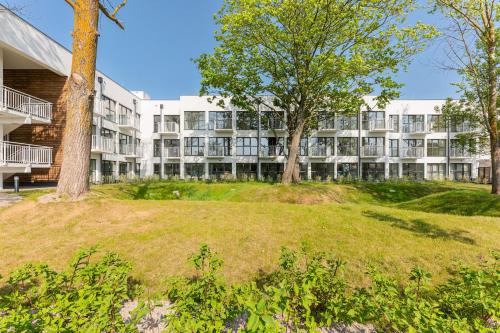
459	124
125	116
156	148
194	170
303	149
156	123
171	170
246	120
458	148
219	146
220	120
322	171
484	175
326	121
345	123
172	147
373	146
436	171
322	146
347	170
413	171
272	146
219	170
412	148
194	146
303	171
93	171
393	170
272	120
110	136
373	171
156	169
137	169
413	123
272	171
125	144
137	120
347	146
246	170
122	169
373	120
107	168
436	147
246	146
194	120
394	121
109	108
171	123
436	123
460	171
393	147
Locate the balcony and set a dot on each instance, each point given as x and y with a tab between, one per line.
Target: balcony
15	103
172	152
326	126
217	151
169	127
415	128
372	151
271	152
380	125
102	144
317	152
412	152
223	126
98	108
13	154
460	152
125	121
130	150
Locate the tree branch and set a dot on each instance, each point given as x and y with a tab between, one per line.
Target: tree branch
112	16
71	3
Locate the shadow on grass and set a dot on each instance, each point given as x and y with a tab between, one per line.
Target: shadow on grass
397	192
420	227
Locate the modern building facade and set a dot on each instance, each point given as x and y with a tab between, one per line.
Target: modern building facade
135	136
192	138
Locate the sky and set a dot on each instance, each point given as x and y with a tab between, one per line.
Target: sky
162	37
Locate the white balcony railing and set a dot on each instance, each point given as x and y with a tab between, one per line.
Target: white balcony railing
170	127
172	152
380	125
130	149
222	125
271	151
24	103
216	151
372	151
412	152
317	151
103	144
460	152
125	120
414	127
20	153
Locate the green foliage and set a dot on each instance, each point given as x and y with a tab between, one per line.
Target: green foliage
309	292
86	298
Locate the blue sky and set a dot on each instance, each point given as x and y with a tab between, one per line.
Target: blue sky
162	36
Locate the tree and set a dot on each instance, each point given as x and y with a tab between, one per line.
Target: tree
309	58
473	49
78	95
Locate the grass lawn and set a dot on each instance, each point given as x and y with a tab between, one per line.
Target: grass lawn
158	225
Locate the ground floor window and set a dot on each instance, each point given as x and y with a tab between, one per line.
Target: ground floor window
347	170
413	171
322	171
171	170
156	169
393	170
272	171
484	175
122	169
436	171
220	170
107	169
460	171
93	171
373	171
246	171
303	171
194	170
138	169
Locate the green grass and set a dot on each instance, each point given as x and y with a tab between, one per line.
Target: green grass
392	225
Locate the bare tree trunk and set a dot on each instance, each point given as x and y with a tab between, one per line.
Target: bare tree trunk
291	173
77	100
495	168
492	110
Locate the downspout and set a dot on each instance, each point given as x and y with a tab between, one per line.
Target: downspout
359	144
259	172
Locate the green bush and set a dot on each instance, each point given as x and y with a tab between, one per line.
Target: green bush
86	298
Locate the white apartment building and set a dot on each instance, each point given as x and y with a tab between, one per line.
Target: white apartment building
192	138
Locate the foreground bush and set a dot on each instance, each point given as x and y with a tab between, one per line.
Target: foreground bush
308	292
86	298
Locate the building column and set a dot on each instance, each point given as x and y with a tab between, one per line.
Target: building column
1	67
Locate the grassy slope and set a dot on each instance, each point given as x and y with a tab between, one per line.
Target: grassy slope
247	224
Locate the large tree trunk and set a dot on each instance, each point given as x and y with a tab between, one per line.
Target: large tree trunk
492	110
77	101
292	172
495	168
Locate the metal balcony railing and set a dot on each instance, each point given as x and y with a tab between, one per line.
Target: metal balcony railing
460	152
217	151
172	152
103	144
125	120
326	125
20	153
380	125
414	127
372	151
170	127
317	151
222	125
271	151
130	150
412	152
24	103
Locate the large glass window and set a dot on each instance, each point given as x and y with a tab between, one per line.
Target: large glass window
347	146
194	120
373	171
436	171
393	147
436	123
156	169
194	170
246	146
172	147
303	148
373	120
125	116
326	121
413	123
109	108
323	146
272	120
246	170
347	122
393	170
219	146
484	175
322	171
413	171
394	121
272	171
220	170
373	146
194	146
246	120
349	170
171	123
171	170
220	120
460	171
272	146
412	148
156	148
436	147
459	124
458	148
125	144
156	123
107	168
